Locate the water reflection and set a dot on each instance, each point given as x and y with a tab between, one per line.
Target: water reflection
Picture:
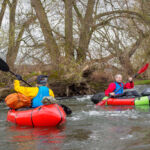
38	138
141	140
142	108
79	134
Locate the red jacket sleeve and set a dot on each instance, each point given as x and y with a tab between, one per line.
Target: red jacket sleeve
129	85
110	89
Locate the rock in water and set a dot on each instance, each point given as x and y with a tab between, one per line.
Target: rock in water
49	100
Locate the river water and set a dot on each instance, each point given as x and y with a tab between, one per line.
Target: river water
88	128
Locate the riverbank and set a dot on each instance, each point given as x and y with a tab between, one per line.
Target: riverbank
64	85
64	89
141	82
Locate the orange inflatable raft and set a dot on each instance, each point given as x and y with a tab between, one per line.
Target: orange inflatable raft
43	116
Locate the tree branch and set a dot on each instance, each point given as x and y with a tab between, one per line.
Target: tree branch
119	12
77	12
4	4
107	21
137	44
24	26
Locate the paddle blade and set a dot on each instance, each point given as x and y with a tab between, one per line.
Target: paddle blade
102	103
143	69
66	109
3	65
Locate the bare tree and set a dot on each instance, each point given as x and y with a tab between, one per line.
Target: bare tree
93	20
14	42
79	26
51	44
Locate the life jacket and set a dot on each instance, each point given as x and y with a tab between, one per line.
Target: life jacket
37	101
118	89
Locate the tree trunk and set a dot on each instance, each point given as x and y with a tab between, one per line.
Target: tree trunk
85	35
50	41
69	29
4	4
14	42
12	13
19	37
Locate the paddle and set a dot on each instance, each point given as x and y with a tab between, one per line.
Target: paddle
4	67
143	69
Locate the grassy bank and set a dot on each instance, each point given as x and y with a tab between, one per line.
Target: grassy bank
140	82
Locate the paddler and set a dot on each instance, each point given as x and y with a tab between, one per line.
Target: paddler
117	87
36	93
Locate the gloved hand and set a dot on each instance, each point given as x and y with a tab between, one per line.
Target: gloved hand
19	77
112	95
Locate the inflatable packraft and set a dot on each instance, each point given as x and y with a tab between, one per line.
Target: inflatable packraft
128	98
42	116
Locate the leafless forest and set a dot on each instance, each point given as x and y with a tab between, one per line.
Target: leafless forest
75	39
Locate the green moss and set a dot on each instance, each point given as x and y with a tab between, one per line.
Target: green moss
140	82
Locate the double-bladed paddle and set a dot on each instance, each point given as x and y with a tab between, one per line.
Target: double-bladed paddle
4	67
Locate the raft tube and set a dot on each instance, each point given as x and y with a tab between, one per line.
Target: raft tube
139	101
43	116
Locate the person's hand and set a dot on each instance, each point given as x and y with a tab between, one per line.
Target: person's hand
112	94
19	77
130	79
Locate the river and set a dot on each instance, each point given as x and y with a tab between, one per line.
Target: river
88	128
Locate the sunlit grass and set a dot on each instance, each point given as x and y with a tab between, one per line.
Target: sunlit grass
140	82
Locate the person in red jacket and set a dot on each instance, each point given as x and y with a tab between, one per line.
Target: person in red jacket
117	87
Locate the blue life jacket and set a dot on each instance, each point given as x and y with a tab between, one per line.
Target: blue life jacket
118	89
43	91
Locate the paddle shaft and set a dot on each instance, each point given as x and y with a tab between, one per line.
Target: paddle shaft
21	79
